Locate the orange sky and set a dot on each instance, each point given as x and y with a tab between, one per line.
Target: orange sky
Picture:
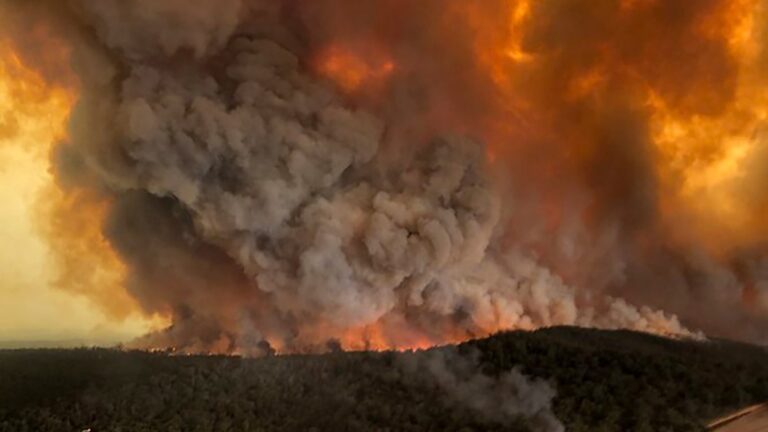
32	118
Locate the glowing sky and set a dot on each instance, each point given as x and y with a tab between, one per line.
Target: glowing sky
32	308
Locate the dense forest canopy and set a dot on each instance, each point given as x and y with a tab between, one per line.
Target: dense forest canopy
604	381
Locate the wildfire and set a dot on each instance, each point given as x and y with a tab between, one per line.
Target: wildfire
384	336
616	135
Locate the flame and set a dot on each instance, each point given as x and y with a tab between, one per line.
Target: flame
388	336
705	146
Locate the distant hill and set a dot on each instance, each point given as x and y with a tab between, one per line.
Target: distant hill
628	381
605	381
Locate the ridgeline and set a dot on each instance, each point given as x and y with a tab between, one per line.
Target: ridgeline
605	381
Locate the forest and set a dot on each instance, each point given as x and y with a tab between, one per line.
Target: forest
589	380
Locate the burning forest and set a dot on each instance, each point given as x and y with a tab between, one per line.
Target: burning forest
292	176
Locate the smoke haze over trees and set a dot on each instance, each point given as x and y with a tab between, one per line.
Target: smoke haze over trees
604	381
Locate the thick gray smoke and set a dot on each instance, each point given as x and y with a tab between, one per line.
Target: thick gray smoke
273	169
259	206
254	204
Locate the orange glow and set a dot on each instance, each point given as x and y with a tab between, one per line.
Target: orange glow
71	221
705	159
520	14
501	50
534	83
26	101
352	71
385	335
87	264
708	187
59	244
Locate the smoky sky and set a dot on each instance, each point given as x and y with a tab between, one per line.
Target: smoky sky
469	189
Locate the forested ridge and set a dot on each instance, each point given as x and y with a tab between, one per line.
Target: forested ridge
605	381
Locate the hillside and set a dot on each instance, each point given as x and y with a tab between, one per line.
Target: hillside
605	381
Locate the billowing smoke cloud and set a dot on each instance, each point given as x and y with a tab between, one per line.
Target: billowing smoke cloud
282	174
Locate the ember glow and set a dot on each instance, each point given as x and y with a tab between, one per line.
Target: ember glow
351	71
289	176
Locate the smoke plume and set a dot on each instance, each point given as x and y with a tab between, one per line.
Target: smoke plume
386	174
503	399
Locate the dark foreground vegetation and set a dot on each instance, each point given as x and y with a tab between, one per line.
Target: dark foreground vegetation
605	381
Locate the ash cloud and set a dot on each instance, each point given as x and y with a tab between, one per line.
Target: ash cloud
252	201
